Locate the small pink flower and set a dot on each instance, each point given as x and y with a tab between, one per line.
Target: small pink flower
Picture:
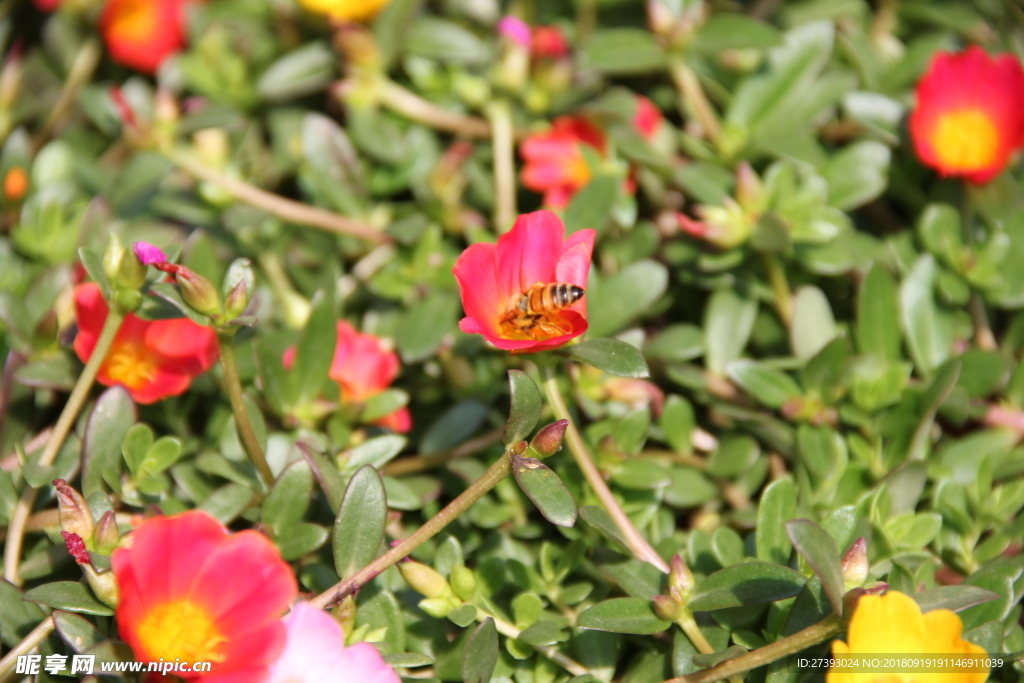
494	277
315	651
554	161
515	29
148	254
648	117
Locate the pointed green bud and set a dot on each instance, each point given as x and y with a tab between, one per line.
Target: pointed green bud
437	607
112	257
680	579
855	564
238	286
73	511
667	607
463	582
196	290
105	537
548	440
423	579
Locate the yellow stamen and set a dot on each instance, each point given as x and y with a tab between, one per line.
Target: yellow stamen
966	140
181	629
131	364
134	20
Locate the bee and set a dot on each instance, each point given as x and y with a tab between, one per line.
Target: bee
530	314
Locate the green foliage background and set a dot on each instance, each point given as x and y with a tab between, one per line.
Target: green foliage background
866	409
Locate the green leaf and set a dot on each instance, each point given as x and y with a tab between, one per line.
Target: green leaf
817	547
777	506
161	455
445	41
325	470
625	296
289	499
172	295
592	206
424	325
929	335
301	72
315	350
383	404
463	616
734	32
17	618
676	343
623	615
541	485
456	425
227	502
111	418
939	389
624	51
525	409
67	595
543	633
300	539
390	28
359	527
813	325
481	654
93	264
769	386
377	451
611	355
953	598
407	660
599	519
735	455
637	578
56	374
728	322
78	632
941	232
748	583
644	475
857	175
137	442
678	422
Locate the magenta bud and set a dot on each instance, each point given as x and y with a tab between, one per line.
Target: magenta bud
548	440
76	548
516	30
148	254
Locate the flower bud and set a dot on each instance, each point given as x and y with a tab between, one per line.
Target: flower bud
667	607
75	517
196	290
660	18
112	257
106	537
437	607
238	287
76	548
103	584
749	190
345	614
548	440
463	582
680	579
423	579
855	564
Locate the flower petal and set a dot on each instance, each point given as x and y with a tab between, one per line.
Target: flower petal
477	275
529	253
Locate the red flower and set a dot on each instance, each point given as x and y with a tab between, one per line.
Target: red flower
141	34
648	117
555	164
190	590
548	41
970	114
493	279
363	367
151	359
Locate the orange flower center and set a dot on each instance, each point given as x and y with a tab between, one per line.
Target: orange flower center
181	628
15	184
134	20
966	140
131	364
577	170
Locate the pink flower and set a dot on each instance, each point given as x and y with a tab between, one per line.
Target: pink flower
148	254
515	29
363	367
315	651
554	161
648	117
494	277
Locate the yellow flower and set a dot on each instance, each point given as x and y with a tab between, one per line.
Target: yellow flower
892	624
346	10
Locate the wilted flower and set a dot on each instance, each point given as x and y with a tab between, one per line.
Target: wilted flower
192	591
970	114
315	651
535	254
141	34
893	623
554	161
151	359
345	10
363	367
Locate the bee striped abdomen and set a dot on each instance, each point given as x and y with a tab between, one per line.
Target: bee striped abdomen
532	314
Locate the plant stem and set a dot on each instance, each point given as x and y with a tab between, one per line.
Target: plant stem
693	632
81	73
495	473
500	114
246	433
418	463
780	287
16	529
693	95
637	543
983	336
509	631
412	106
28	643
812	635
286	209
